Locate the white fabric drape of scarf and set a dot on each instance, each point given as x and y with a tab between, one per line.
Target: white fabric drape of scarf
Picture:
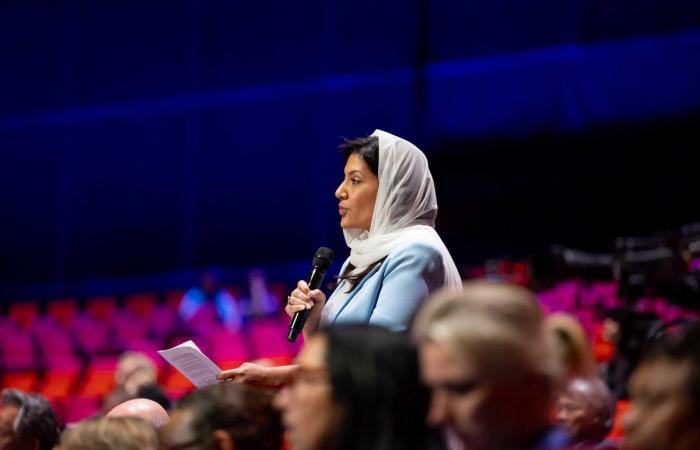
404	211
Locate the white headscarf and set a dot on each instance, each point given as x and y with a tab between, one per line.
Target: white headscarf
404	211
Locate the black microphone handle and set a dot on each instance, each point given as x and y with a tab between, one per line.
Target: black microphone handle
299	319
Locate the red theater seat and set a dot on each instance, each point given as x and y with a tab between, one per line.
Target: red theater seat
23	314
63	311
24	381
176	385
102	308
173	298
141	305
59	383
99	378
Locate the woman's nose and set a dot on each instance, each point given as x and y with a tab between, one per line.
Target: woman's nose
437	413
340	192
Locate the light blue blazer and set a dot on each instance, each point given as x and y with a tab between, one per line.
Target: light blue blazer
392	292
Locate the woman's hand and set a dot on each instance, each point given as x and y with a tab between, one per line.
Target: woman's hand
302	298
258	375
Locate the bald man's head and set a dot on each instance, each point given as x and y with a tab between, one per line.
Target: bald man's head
143	408
586	408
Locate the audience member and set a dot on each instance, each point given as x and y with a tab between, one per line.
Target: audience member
110	433
135	376
226	416
571	345
198	300
355	387
261	303
27	422
143	408
484	355
586	408
665	395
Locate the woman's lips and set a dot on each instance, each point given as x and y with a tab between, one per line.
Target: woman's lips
342	211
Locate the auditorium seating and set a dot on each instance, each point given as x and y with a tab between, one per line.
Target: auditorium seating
68	352
67	348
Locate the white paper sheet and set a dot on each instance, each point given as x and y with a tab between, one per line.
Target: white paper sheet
192	363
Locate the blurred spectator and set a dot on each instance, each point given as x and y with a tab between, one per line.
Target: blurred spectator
632	333
260	302
224	416
135	376
198	300
27	422
356	387
665	395
484	355
571	345
145	409
585	407
110	433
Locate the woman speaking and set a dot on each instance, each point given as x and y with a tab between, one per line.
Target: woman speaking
387	206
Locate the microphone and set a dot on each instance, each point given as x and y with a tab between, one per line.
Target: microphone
322	261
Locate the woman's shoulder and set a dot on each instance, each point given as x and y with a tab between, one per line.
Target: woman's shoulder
414	254
423	249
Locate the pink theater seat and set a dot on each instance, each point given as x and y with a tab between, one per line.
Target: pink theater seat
269	341
91	336
227	349
141	305
18	353
54	342
206	320
63	311
23	314
125	327
79	407
162	321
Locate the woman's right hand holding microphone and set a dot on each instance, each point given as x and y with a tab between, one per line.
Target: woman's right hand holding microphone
302	298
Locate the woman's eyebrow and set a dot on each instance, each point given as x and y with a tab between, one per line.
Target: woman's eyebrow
355	171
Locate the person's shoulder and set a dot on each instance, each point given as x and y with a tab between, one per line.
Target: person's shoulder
414	254
425	249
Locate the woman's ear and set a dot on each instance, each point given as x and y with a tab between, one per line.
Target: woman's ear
222	440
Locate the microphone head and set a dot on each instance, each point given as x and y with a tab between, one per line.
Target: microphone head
323	258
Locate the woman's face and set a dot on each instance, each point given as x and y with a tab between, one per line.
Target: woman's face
309	413
357	194
466	403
